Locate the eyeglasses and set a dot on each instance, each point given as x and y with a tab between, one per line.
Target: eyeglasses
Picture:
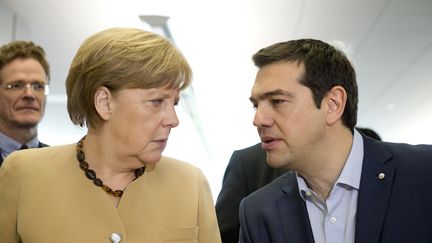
20	86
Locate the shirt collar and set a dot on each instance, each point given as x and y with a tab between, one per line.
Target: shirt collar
351	173
9	145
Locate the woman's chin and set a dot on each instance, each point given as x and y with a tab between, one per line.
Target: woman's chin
152	159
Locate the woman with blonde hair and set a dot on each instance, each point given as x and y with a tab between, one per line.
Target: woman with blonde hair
113	185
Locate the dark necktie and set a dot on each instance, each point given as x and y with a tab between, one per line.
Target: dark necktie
24	146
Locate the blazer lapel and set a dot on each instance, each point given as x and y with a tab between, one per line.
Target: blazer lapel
293	214
375	189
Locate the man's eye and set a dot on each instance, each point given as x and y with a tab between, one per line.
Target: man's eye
15	86
38	86
277	101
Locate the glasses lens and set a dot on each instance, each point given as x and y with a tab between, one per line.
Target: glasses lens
19	86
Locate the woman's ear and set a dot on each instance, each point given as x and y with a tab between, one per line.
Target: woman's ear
102	101
336	100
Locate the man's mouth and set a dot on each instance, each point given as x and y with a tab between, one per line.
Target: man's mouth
268	142
28	108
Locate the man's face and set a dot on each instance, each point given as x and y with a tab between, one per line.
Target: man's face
21	108
288	122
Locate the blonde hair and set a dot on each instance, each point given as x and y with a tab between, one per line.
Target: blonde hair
120	58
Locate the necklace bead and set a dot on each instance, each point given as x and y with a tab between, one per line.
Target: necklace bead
91	174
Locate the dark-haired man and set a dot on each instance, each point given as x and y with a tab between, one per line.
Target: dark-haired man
344	187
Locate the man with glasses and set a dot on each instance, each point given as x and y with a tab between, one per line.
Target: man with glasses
24	76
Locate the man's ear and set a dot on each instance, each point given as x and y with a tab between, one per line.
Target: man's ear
335	102
102	101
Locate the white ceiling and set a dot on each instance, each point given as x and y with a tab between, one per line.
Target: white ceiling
389	41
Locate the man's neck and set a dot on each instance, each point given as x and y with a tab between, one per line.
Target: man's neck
21	135
322	176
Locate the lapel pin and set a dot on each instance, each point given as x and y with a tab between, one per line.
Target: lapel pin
381	176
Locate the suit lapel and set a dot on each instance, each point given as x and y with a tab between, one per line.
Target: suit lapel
293	214
375	190
41	145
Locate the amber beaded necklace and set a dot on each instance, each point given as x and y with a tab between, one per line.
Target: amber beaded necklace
91	174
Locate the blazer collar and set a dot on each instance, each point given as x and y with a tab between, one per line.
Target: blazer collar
375	189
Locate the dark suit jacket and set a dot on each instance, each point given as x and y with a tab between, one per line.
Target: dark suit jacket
247	171
396	209
41	145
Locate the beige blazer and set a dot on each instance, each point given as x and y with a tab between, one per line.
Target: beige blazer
45	197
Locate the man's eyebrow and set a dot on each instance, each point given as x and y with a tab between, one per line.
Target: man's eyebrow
271	93
22	81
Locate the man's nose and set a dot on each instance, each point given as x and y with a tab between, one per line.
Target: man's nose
262	117
29	91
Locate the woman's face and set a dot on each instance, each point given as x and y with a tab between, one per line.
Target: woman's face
141	120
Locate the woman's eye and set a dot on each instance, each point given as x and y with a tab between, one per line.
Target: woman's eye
157	101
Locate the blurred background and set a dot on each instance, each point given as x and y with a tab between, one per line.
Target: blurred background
389	42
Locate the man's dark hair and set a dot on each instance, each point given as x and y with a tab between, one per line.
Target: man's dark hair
325	67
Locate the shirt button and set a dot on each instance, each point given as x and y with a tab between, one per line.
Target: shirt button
308	193
332	220
115	238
